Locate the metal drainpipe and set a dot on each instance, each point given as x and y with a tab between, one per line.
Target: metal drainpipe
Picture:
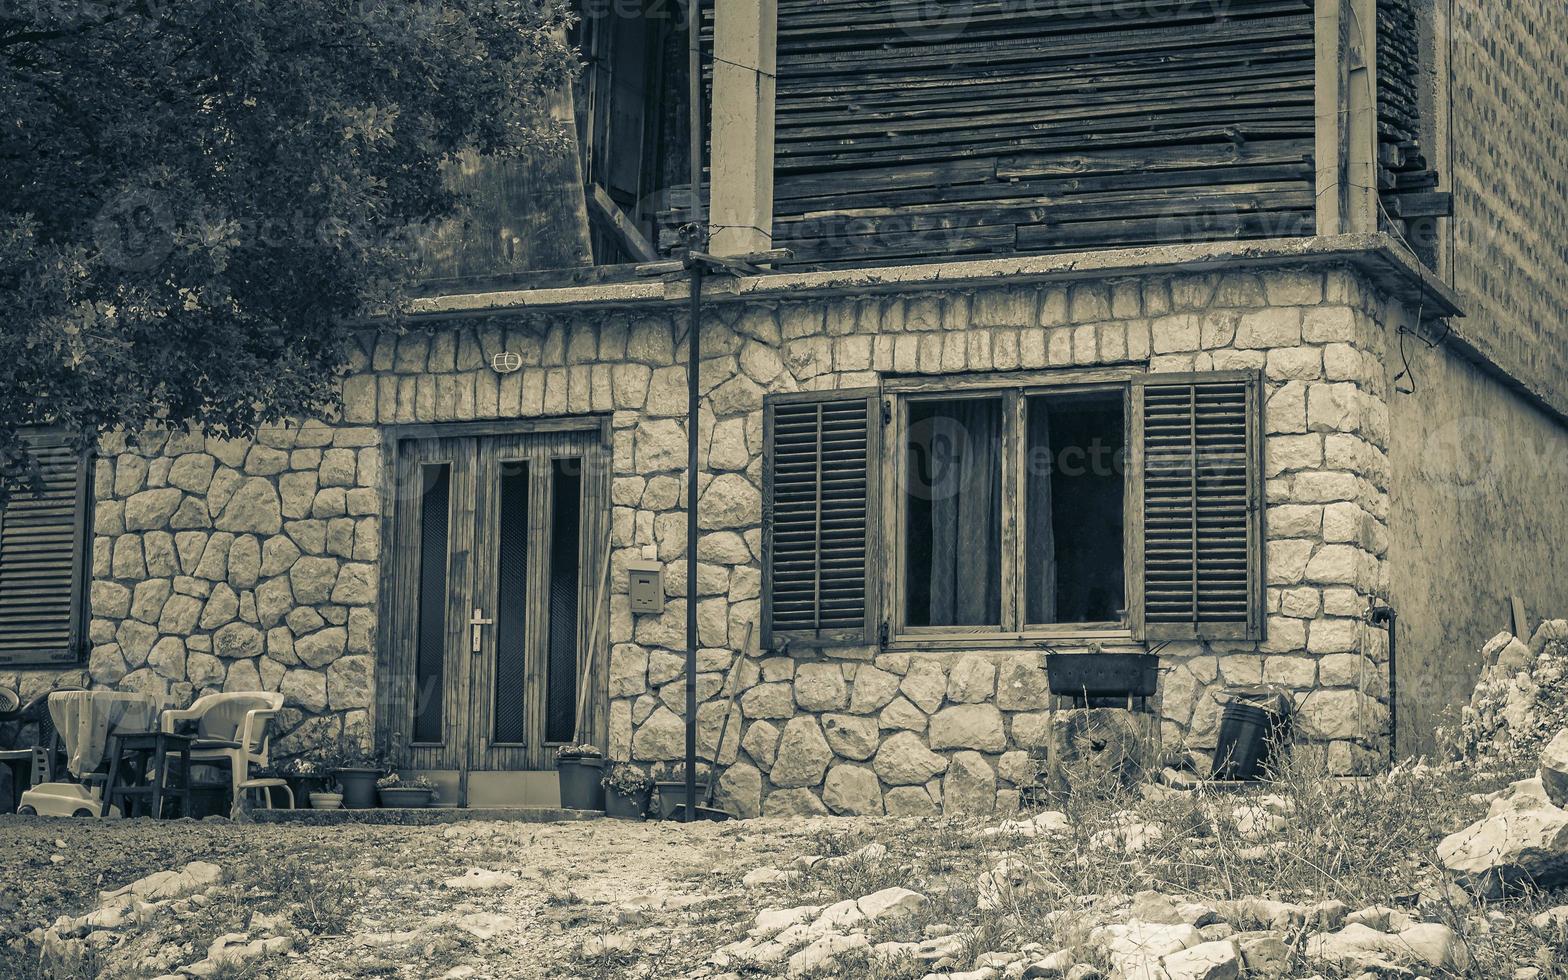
1387	617
697	242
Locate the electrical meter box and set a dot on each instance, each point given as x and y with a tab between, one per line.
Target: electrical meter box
646	586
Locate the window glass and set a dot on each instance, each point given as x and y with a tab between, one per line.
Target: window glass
953	496
1075	466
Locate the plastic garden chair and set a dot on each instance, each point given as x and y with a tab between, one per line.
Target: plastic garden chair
41	761
233	729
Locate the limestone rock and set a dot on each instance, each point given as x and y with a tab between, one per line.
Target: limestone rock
761	743
253	508
1509	846
793	803
873	689
306	689
902	715
662	737
904	760
803	754
1361	947
821	687
150	510
1554	769
925	684
968	726
852	791
969	786
971	681
312	579
769	701
348	683
1022	686
851	736
237	641
730	501
908	801
321	647
740	791
1205	961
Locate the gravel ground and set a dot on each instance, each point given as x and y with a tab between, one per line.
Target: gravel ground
371	900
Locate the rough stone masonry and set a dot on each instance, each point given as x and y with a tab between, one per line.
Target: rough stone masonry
236	565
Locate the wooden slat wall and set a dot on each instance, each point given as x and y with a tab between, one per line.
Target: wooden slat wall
42	541
1200	515
1402	164
1039	127
819	500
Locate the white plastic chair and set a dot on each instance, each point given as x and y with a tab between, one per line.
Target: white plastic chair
235	728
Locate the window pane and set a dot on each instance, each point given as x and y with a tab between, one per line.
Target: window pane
430	660
561	675
511	608
1073	548
953	493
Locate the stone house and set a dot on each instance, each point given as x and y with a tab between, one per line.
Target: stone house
1213	382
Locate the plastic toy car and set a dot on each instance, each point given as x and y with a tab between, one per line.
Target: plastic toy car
62	800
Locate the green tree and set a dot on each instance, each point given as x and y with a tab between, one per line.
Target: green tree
198	198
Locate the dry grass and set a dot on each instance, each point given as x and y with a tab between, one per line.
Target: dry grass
1363	842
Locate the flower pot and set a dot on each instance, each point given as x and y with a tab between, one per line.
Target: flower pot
673	794
580	787
404	797
359	787
621	806
1103	675
326	801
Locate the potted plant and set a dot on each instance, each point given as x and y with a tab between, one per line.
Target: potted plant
306	774
579	767
670	780
626	791
356	770
327	799
399	793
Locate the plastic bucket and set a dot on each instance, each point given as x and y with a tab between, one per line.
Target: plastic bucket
580	786
1247	737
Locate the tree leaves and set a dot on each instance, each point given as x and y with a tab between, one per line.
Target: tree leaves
196	199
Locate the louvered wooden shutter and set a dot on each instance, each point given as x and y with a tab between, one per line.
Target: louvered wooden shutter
818	519
42	560
1202	533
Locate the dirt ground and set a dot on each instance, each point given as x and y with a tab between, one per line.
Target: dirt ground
373	900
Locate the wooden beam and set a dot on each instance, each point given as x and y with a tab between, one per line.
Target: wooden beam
611	215
1330	110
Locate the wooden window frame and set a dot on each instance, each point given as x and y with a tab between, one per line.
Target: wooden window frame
81	548
1014	389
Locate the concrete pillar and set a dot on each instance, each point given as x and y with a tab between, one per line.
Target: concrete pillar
1361	215
744	65
1331	109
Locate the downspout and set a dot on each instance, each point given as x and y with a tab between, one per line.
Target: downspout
1387	617
696	242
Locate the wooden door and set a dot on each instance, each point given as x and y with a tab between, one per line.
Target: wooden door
496	581
543	509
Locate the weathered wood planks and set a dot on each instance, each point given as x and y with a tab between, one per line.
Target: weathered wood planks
907	130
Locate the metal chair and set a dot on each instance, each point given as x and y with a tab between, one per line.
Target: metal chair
232	729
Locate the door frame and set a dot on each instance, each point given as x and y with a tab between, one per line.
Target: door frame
393	684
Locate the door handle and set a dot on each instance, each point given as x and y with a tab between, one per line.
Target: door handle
475	624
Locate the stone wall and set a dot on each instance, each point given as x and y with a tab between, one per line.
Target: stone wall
1509	62
234	565
238	565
